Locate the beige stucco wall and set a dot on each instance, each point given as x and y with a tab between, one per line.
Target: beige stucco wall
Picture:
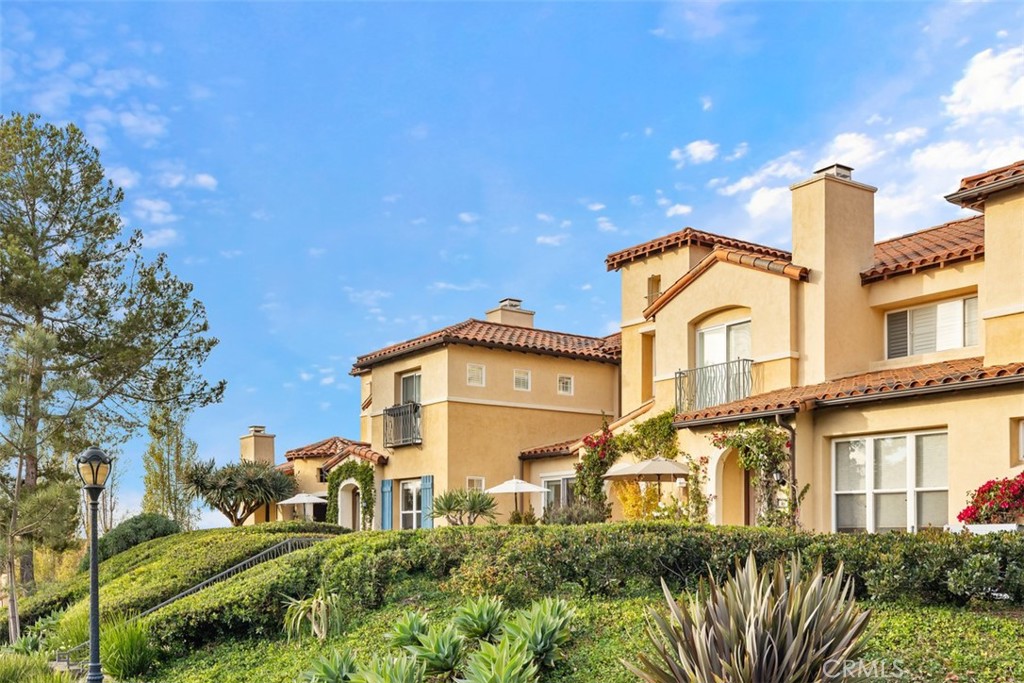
1002	301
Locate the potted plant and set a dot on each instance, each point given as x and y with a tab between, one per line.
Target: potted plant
996	505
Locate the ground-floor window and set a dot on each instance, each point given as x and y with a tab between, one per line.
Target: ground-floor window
559	491
410	504
890	482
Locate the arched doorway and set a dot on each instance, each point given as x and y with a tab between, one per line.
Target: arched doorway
735	495
349	505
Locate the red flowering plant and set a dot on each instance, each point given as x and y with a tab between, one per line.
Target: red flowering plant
997	501
600	451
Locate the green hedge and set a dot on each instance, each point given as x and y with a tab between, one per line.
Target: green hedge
524	563
155	570
130	533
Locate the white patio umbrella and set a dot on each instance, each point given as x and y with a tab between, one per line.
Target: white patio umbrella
303	499
516	486
649	470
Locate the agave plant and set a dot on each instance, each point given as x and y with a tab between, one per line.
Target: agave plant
408	629
322	614
441	650
509	661
401	669
334	667
481	618
758	626
544	629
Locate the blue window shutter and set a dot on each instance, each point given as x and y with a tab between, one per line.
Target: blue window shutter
427	501
385	504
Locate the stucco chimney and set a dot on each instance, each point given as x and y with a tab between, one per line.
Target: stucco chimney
511	312
257	445
834	237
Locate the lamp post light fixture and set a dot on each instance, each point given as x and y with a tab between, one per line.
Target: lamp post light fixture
94	468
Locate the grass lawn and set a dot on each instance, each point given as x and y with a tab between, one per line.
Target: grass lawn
916	643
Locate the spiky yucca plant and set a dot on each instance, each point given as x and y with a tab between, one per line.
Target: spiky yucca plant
441	650
481	618
408	628
401	669
322	614
334	667
507	662
758	626
544	628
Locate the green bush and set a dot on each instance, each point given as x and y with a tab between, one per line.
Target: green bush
34	668
130	533
408	628
390	669
441	649
334	667
758	626
125	649
578	513
481	619
508	661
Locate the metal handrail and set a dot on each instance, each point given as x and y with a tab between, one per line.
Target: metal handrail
273	552
402	425
712	385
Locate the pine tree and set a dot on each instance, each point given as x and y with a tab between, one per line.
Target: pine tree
169	454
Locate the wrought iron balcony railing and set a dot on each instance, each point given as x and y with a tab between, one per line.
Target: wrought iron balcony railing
402	425
713	385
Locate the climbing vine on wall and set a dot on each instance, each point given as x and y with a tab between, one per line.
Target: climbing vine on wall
600	452
362	473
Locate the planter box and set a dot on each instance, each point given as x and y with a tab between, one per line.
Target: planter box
986	528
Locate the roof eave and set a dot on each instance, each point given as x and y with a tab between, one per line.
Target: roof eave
974	197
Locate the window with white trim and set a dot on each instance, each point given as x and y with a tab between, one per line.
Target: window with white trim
890	482
410	504
565	385
560	492
521	380
938	326
723	343
475	483
476	375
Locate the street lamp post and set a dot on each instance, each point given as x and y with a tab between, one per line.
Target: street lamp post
93	468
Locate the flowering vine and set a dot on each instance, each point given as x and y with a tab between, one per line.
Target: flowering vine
600	452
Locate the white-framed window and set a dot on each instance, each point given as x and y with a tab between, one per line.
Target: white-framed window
410	387
476	375
560	491
521	380
723	343
565	385
410	504
890	482
1017	447
938	326
475	484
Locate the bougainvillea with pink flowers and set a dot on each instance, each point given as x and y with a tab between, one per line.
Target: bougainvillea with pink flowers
997	501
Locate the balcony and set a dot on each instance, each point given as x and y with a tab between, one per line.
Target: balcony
713	385
402	425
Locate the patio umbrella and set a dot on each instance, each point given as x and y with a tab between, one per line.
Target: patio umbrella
303	499
649	470
516	486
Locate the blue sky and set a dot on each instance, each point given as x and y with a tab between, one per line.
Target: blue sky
334	177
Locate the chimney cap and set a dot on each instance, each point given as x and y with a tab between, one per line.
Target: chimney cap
837	170
257	429
509	302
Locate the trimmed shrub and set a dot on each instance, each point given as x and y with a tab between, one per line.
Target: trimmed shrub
130	533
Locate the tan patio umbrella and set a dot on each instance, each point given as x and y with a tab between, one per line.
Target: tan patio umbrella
516	486
649	470
303	499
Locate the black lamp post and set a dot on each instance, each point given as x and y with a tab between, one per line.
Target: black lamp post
93	468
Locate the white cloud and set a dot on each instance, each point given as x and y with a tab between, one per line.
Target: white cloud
706	104
604	224
260	215
697	152
906	136
204	181
452	287
993	83
678	210
678	155
852	149
552	240
325	405
769	202
468	217
545	217
785	166
327	381
738	152
49	58
230	253
595	206
648	131
305	376
316	252
370	298
123	177
586	287
156	211
159	238
170	179
144	124
877	118
636	200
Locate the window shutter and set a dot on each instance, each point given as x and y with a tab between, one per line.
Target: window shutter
971	321
949	329
385	504
427	501
923	323
897	332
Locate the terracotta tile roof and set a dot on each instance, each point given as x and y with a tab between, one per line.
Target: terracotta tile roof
688	237
495	335
554	450
952	375
613	343
960	240
286	467
976	188
336	449
749	259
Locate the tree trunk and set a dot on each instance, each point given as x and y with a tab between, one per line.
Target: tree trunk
13	621
31	450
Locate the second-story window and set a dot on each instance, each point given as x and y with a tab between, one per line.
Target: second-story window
932	327
565	385
723	343
321	476
521	380
653	288
475	375
411	388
